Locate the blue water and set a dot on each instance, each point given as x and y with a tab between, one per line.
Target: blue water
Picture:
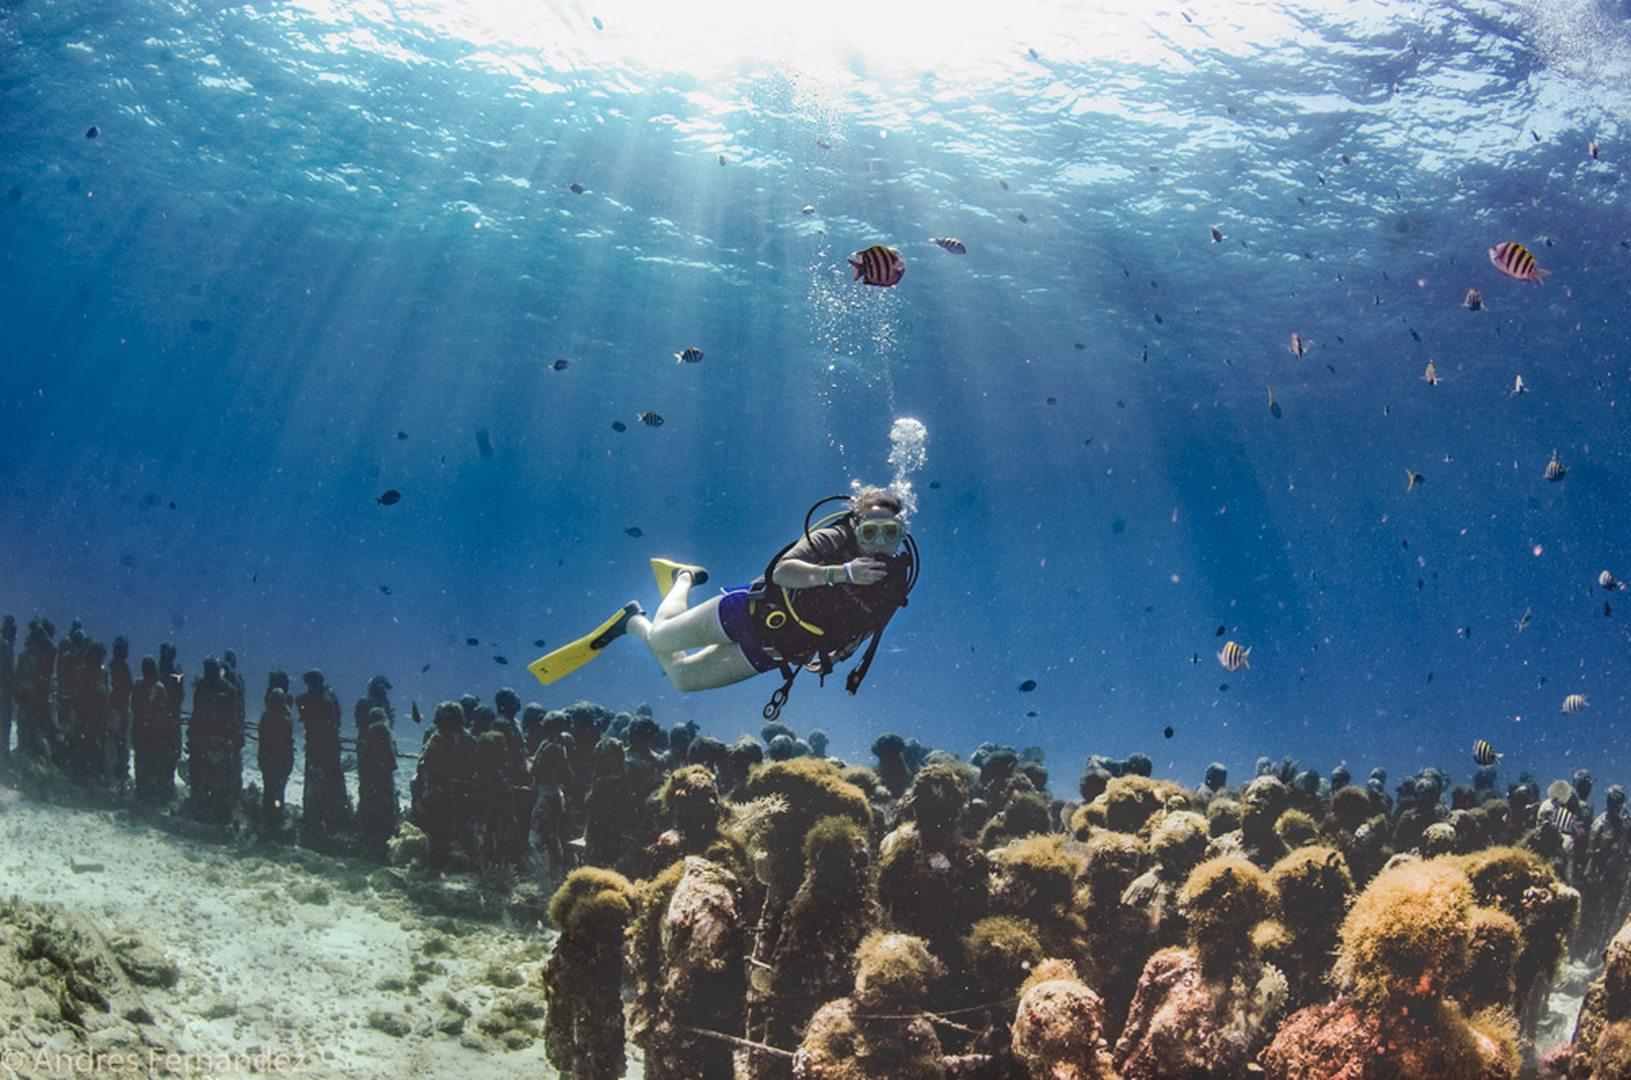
303	228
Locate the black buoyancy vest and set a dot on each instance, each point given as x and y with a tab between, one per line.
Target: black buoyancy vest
799	624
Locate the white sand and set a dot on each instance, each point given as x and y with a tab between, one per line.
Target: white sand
262	971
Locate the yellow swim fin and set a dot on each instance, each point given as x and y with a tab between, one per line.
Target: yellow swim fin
665	570
569	658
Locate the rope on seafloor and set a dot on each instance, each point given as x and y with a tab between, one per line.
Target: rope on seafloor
940	1016
736	1040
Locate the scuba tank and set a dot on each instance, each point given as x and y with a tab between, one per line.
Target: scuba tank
817	626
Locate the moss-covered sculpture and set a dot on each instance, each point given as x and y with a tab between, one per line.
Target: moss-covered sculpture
1058	1029
688	947
583	980
1312	889
1404	948
878	1030
813	959
1207	1009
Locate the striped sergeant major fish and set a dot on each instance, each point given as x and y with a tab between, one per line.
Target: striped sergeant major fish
878	265
1516	261
951	244
1575	704
1233	657
1483	753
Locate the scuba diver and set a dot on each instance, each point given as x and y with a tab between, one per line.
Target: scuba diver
818	600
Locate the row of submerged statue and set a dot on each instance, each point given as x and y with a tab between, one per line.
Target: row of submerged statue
773	911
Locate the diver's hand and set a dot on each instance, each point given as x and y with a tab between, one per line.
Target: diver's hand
864	571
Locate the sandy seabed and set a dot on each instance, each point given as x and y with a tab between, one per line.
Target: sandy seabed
293	963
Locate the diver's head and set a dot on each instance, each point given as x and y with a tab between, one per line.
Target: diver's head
876	517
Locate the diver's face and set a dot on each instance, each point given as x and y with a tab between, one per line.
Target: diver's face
878	532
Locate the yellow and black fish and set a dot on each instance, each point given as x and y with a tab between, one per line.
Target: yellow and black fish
1575	704
878	265
1233	657
1474	300
1516	261
1563	820
1483	753
1555	470
951	244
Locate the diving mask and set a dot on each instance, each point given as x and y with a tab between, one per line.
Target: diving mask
880	531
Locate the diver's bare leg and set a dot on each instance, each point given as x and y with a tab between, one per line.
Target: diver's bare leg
668	639
711	668
678	596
